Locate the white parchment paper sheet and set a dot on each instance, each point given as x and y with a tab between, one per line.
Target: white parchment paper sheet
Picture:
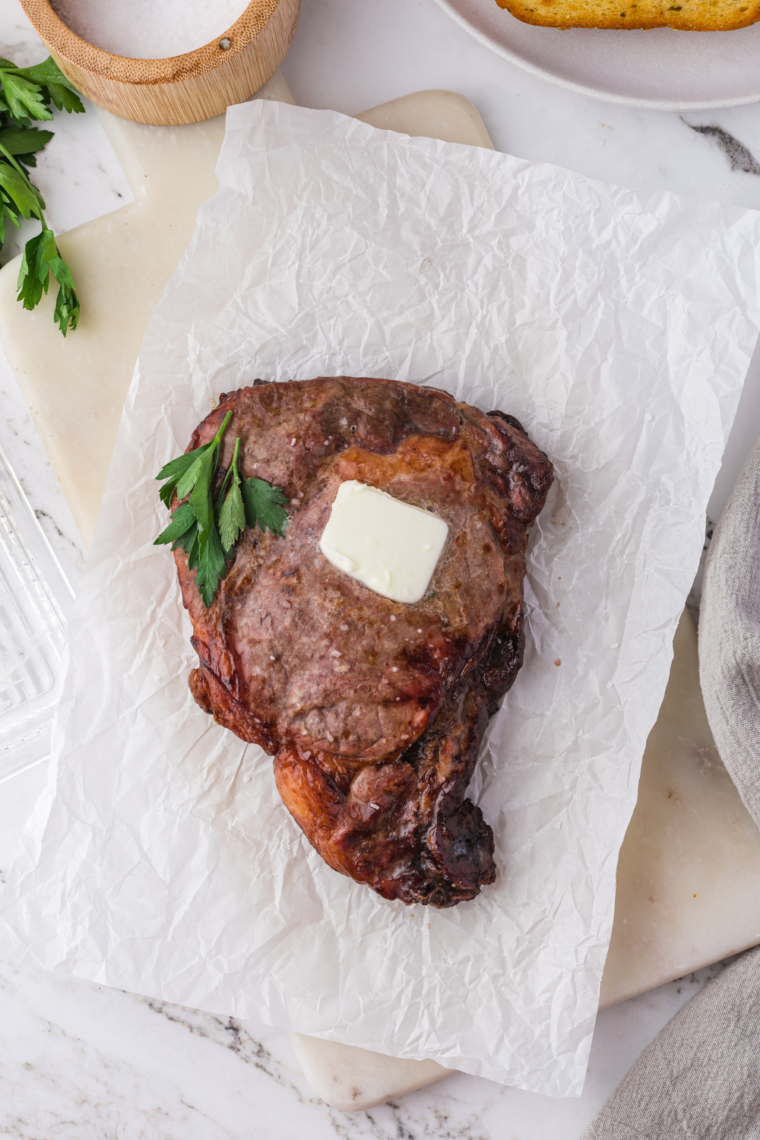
618	327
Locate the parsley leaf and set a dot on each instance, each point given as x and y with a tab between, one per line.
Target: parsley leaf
232	512
26	95
24	99
24	141
66	314
189	543
201	499
61	91
212	565
193	525
264	504
174	470
202	473
45	75
189	478
41	259
19	190
207	527
183	471
5	212
30	282
183	519
65	98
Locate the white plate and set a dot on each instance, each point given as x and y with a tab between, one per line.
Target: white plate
660	68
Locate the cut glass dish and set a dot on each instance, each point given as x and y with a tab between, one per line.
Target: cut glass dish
34	598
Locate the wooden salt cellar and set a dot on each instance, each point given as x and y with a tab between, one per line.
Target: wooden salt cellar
183	88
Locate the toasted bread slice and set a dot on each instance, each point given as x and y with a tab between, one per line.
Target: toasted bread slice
688	15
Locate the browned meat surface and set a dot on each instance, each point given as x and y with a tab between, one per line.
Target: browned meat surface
374	710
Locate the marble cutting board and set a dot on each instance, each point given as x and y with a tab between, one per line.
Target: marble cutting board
689	870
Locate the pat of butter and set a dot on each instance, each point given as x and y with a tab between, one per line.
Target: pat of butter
388	545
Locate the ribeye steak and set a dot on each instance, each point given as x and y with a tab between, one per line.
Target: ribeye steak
374	710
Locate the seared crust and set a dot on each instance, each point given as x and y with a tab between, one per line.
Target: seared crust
683	15
374	710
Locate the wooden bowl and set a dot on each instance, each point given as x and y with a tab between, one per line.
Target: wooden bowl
182	88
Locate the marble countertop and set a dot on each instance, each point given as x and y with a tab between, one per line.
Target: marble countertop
80	1061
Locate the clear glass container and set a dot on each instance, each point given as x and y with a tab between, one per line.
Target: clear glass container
35	596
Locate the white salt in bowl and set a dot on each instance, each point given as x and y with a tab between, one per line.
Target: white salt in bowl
184	87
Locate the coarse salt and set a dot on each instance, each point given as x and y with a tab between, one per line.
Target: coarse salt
144	29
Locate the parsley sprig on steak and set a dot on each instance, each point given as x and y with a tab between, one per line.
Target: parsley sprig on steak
207	526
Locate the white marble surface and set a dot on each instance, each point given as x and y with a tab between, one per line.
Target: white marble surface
82	1062
78	1061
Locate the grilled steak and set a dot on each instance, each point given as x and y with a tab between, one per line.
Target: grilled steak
374	710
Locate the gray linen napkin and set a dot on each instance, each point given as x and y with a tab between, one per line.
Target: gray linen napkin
700	1077
729	635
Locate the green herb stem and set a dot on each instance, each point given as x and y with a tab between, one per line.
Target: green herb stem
208	527
25	95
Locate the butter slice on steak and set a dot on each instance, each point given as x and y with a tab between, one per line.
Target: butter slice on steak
374	710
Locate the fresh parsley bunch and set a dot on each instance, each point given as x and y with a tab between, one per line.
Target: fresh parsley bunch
206	526
26	93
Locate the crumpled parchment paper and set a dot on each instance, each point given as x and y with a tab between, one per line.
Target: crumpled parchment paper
618	328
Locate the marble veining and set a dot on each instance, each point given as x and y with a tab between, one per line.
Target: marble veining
739	156
79	1061
391	1119
63	1076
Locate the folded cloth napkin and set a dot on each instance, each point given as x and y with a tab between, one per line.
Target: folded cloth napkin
729	635
700	1077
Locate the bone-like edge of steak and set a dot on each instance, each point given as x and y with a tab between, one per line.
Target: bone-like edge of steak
374	710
